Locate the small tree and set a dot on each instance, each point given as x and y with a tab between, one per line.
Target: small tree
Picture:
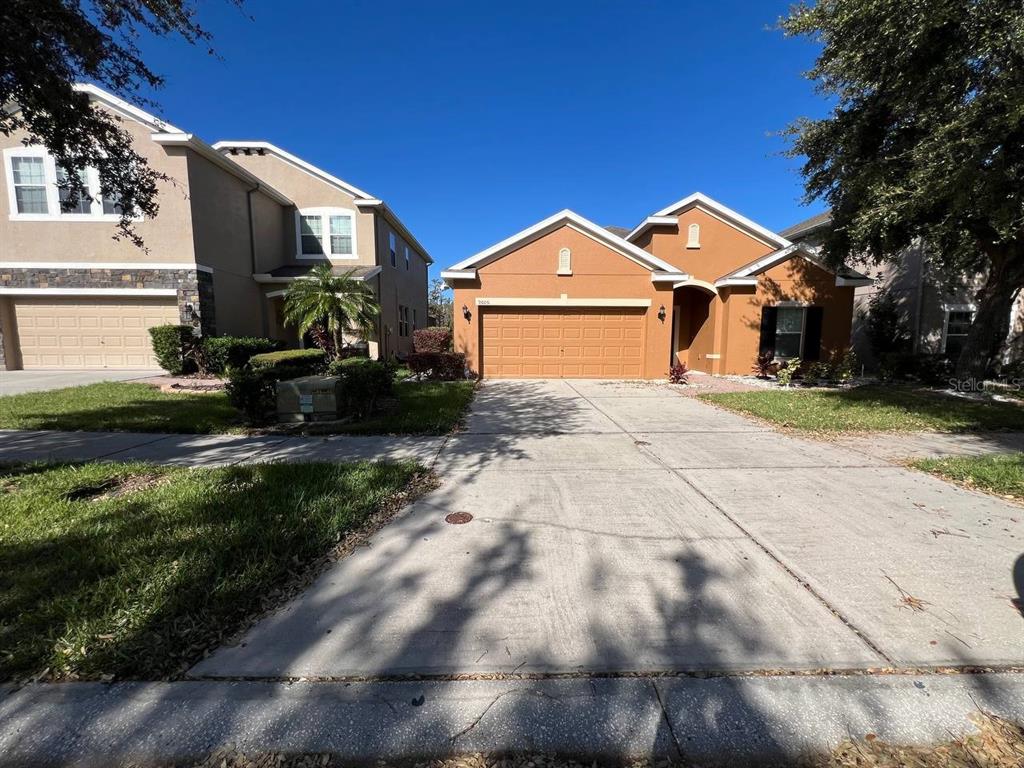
439	302
884	326
339	302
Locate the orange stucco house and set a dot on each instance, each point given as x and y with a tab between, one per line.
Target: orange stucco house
694	282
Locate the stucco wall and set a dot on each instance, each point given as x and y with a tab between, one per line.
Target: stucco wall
796	280
168	236
308	191
597	273
723	248
398	286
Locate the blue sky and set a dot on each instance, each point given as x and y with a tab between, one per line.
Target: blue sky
476	119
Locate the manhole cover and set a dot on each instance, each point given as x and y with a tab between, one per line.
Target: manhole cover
458	518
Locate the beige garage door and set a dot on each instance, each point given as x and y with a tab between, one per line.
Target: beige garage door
564	343
90	332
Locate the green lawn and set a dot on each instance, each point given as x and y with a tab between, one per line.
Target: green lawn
1001	474
138	580
119	406
424	408
872	409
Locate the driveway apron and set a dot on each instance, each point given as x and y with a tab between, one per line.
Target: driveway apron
618	527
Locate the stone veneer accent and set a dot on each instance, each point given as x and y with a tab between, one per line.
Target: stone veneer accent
193	286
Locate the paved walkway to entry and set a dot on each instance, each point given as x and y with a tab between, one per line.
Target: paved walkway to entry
209	450
619	527
16	382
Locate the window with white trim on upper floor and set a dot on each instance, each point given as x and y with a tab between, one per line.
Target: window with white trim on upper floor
38	190
326	233
407	258
393	244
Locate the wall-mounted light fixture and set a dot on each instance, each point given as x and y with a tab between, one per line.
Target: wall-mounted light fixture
661	313
466	313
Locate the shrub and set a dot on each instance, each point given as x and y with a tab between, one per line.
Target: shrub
432	339
765	366
815	373
221	353
934	370
289	363
451	366
253	393
678	374
786	372
363	383
171	346
841	366
422	363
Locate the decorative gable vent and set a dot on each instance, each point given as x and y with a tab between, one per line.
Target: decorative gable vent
693	236
565	262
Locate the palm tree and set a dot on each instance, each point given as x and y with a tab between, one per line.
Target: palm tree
340	301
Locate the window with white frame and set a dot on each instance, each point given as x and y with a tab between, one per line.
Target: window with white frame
407	258
958	324
39	189
414	322
326	232
393	243
789	329
403	320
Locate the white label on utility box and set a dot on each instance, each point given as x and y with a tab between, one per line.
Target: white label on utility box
305	403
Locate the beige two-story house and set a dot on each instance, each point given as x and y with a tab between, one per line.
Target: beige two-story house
232	231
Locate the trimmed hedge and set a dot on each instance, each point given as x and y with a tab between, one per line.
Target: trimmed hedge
363	383
220	353
432	339
446	366
289	363
171	347
253	393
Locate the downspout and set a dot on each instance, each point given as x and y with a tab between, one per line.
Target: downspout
264	324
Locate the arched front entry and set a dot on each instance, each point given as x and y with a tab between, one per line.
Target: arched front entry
693	334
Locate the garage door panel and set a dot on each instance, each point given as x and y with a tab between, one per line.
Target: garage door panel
96	333
591	343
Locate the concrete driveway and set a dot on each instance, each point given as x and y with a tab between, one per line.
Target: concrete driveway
16	382
620	527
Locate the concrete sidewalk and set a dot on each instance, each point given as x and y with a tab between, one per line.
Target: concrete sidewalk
926	445
730	719
210	450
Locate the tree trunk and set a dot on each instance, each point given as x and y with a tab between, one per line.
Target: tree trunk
336	334
987	335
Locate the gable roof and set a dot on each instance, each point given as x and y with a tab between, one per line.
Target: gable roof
122	107
363	200
265	147
667	217
807	226
466	269
166	134
747	274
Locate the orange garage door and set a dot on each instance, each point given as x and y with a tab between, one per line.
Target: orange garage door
90	332
563	343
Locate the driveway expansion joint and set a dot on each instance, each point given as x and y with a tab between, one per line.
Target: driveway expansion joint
642	447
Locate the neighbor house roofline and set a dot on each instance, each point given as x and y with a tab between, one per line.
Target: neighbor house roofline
121	106
667	217
298	162
805	227
466	269
363	200
204	150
